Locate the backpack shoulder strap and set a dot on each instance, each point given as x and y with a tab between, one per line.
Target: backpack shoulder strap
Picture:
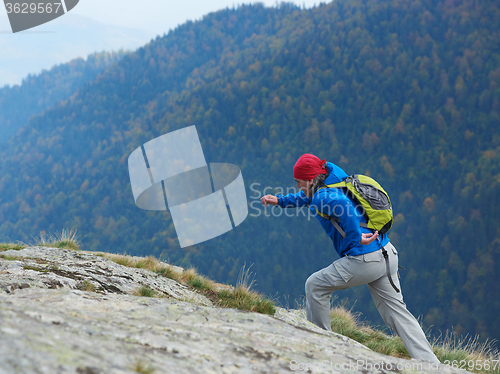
336	185
334	220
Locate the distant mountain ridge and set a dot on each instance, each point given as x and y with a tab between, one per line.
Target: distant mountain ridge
59	41
405	92
42	91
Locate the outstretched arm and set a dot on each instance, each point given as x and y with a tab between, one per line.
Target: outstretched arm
269	199
293	200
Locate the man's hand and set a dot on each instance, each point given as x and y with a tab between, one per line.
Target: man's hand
269	199
368	238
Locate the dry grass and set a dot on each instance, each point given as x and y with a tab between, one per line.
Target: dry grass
66	239
142	367
241	297
145	291
11	258
13	246
86	286
347	323
468	354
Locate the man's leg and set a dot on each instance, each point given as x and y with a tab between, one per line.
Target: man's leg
343	273
393	310
318	294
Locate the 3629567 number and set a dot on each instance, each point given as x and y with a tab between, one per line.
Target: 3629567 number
27	8
474	364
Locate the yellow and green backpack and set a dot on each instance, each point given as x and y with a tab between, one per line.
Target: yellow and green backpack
370	197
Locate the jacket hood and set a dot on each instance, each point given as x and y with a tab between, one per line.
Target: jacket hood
335	174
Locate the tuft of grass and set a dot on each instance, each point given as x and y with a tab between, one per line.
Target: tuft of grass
244	299
149	263
10	258
167	272
86	286
66	239
246	278
26	267
146	292
201	283
347	323
120	260
193	279
13	246
468	353
142	367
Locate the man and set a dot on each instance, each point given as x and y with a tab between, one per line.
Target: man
361	260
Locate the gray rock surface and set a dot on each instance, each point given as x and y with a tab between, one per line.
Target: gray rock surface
49	326
54	268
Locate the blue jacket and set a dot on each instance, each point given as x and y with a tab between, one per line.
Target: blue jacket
333	201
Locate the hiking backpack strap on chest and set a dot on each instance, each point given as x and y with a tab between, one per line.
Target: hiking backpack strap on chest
375	205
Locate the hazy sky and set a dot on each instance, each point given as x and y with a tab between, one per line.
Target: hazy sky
97	25
159	16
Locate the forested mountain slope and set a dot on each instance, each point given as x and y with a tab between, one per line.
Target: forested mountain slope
407	92
39	92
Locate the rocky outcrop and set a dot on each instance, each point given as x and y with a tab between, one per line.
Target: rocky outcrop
49	325
55	268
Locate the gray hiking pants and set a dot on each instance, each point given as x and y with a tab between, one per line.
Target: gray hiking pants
369	269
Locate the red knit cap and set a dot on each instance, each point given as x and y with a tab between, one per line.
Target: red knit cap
308	167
